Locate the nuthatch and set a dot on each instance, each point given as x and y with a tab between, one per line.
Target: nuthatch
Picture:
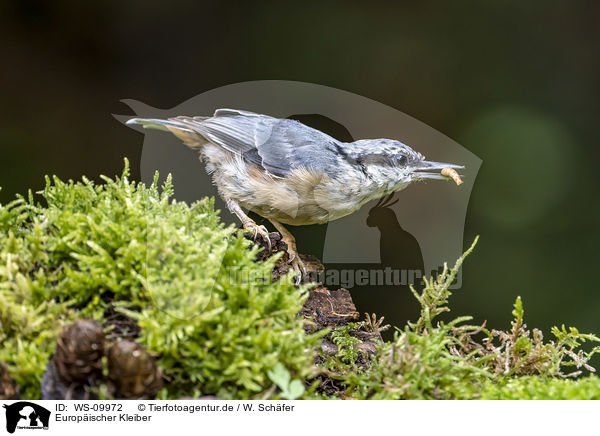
293	174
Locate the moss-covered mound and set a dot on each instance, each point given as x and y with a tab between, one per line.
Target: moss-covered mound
189	291
212	316
433	359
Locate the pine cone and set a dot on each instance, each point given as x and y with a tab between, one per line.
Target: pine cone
133	371
79	351
8	387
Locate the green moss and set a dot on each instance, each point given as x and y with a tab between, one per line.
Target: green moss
175	268
218	324
432	359
542	388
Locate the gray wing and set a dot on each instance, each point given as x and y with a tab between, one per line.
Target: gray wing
278	145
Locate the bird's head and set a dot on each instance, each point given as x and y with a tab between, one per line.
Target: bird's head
394	164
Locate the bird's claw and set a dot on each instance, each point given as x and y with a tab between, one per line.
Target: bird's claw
252	227
298	266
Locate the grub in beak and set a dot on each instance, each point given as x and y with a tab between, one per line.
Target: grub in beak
451	172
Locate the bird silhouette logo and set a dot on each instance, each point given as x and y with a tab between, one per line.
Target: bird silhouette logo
26	415
424	226
398	248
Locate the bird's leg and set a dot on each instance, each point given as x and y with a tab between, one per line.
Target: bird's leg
290	241
248	223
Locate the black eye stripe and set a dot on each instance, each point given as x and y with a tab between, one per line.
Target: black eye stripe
383	159
377	159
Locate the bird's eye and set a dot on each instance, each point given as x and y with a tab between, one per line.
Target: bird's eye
402	160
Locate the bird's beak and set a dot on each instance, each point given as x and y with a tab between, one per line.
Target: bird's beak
432	170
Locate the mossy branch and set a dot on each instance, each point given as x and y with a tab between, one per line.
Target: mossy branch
433	299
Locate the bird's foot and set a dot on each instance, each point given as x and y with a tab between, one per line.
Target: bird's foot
251	227
294	257
295	261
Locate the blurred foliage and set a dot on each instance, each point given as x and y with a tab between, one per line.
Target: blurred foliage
290	389
520	189
124	246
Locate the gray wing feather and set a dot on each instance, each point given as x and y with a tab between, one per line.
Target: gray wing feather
278	145
293	145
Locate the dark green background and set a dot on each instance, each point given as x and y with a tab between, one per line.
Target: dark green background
517	83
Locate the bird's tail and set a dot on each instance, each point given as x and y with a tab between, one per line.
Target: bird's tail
190	136
159	124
